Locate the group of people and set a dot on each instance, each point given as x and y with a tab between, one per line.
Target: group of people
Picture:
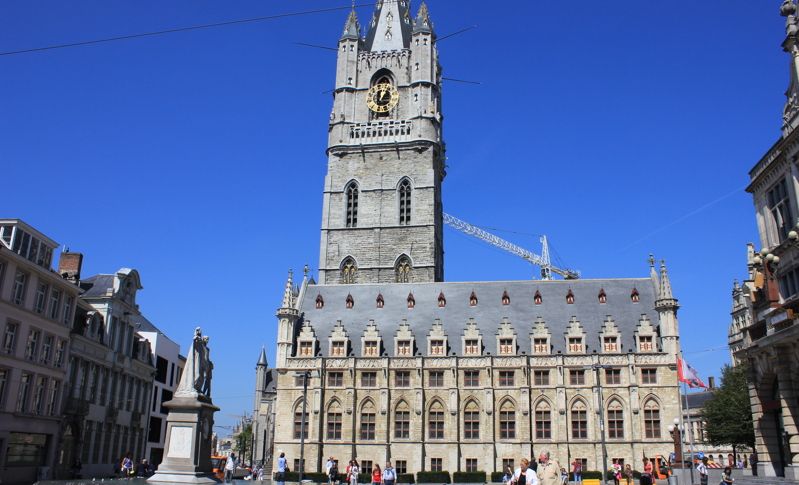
546	471
130	469
385	476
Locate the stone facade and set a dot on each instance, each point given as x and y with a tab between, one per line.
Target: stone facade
450	376
263	427
767	339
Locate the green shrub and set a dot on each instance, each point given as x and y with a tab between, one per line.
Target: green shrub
364	478
315	477
469	477
590	474
496	477
433	477
405	478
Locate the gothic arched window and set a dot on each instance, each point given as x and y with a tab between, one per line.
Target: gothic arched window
579	420
507	421
471	421
349	268
402	270
435	421
404	202
651	419
351	194
543	421
615	420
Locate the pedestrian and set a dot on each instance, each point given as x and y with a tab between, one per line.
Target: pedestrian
352	472
141	470
726	477
377	474
615	470
281	469
389	475
126	468
328	467
508	476
646	476
577	471
564	477
701	467
230	467
332	476
548	471
628	474
524	475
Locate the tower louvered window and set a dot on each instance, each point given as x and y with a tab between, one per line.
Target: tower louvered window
351	193
402	271
405	203
348	269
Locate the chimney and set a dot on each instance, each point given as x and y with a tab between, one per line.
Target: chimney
711	383
69	266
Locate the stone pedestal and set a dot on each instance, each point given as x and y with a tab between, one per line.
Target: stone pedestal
187	452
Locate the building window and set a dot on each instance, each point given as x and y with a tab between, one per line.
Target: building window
335	379
576	345
55	390
370	348
402	378
306	348
337	348
55	303
651	419
471	465
3	385
405	202
436	464
442	300
24	391
473	299
537	299
612	376
403	347
38	395
645	343
20	284
10	337
401	466
506	346
298	381
437	347
435	378
649	376
471	378
366	466
610	344
402	423
351	194
471	347
579	420
508	463
349	269
60	348
635	296
379	301
299	466
334	425
506	378
505	298
367	425
435	422
41	298
32	348
402	270
779	206
507	421
543	421
577	377
411	300
299	431
541	377
66	315
540	346
615	421
603	297
47	349
368	379
570	297
320	302
471	422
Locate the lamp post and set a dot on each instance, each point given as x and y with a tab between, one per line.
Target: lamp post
675	430
596	368
305	376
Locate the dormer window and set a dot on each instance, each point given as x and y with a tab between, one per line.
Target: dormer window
537	298
350	301
610	344
506	346
411	300
645	343
603	298
442	302
437	347
473	299
306	348
505	298
570	297
338	348
380	302
540	345
370	348
576	345
471	347
403	347
320	302
634	296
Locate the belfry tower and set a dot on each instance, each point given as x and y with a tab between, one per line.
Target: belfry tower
382	212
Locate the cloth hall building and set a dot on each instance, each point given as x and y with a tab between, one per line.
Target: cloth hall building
449	376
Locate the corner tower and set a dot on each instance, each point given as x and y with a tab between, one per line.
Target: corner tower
382	212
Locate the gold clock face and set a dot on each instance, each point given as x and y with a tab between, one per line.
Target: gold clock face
382	98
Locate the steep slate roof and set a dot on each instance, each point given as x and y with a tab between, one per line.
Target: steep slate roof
97	285
488	314
400	26
697	400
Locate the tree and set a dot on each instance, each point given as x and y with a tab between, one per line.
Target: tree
728	414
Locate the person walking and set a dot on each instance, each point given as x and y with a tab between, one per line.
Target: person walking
281	469
548	471
628	474
524	475
577	471
332	475
389	475
564	477
126	468
352	472
377	474
646	476
726	477
701	467
328	467
230	467
508	476
615	470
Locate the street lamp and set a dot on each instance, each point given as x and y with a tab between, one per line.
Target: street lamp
596	368
305	376
677	430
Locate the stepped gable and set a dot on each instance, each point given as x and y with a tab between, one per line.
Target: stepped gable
489	313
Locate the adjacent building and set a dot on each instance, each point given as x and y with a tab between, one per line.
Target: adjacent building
449	376
263	426
37	307
767	340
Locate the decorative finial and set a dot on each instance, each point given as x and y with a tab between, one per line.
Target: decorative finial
651	260
787	8
306	270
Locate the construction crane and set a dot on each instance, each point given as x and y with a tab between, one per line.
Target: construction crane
541	261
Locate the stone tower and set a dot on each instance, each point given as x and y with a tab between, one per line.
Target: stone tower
382	212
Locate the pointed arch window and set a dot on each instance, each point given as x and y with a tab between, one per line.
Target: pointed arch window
349	268
651	419
334	417
402	270
505	298
402	421
537	298
404	191
615	420
349	302
543	421
442	300
351	194
435	421
368	421
579	420
603	297
411	300
507	421
471	421
570	297
300	423
634	296
473	299
380	301
320	302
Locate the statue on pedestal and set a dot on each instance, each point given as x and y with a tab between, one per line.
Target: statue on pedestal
196	378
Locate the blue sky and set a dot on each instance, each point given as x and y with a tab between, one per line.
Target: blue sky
616	128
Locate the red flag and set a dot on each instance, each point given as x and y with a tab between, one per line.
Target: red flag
688	374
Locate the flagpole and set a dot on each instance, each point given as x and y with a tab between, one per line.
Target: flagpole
691	436
680	459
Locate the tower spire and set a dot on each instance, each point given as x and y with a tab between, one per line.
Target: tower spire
288	293
390	29
790	114
262	362
665	283
653	273
352	29
422	22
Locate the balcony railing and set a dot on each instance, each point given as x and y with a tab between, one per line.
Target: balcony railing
381	131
